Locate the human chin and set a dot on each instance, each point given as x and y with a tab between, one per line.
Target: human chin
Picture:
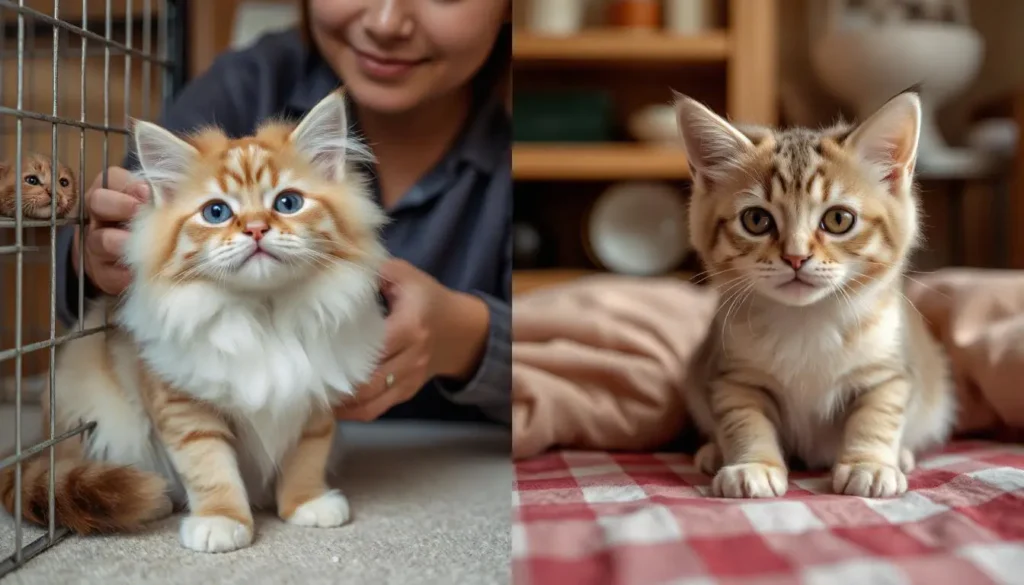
385	98
390	97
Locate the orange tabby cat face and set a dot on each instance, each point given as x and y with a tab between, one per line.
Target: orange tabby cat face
799	215
37	186
258	212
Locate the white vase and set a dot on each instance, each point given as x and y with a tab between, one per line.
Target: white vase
689	17
555	17
865	66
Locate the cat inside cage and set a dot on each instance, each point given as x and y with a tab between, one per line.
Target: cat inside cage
72	76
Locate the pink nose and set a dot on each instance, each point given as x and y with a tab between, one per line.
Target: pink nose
256	230
795	260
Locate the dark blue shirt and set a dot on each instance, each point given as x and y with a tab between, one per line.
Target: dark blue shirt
454	224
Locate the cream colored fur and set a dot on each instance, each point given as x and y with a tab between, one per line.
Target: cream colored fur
230	376
838	371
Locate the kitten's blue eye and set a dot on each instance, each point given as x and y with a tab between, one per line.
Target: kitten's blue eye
217	212
33	180
288	202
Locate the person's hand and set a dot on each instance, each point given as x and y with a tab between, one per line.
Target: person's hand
431	331
106	232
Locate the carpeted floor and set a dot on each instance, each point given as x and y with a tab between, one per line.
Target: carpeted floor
431	504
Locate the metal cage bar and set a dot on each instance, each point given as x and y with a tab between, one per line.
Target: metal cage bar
21	238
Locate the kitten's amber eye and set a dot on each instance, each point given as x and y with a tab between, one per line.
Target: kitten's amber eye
33	180
64	182
757	220
838	220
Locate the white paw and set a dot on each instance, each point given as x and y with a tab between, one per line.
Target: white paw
749	480
868	480
707	459
214	534
326	511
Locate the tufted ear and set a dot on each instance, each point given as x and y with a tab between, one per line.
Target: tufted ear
887	141
712	144
323	137
165	159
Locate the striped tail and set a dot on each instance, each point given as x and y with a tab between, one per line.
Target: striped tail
90	496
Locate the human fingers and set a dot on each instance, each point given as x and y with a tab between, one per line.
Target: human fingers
376	407
105	244
112	278
108	206
399	330
386	386
386	376
139	190
369	411
117	179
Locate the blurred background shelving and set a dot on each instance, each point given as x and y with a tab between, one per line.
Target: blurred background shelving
580	101
611	45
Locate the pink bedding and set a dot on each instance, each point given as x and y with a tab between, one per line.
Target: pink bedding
594	518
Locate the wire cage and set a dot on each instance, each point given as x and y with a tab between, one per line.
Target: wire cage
72	75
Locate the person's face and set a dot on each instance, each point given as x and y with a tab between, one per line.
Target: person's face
394	55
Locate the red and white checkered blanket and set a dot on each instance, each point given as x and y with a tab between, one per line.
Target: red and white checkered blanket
593	518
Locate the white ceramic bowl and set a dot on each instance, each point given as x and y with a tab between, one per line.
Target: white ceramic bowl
865	67
639	228
655	123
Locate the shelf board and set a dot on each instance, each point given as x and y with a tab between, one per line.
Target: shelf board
597	162
621	45
527	280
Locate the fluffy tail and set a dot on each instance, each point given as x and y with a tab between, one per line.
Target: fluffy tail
90	496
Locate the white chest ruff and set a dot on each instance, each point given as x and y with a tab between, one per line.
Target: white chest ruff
250	365
805	363
264	363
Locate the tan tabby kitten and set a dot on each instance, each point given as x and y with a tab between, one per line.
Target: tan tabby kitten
815	354
37	182
253	309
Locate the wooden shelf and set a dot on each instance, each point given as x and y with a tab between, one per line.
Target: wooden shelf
618	45
597	162
526	280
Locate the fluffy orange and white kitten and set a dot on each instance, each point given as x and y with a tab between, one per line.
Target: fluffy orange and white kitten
253	309
815	354
36	179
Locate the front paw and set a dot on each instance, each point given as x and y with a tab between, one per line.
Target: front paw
750	480
326	511
214	534
708	459
868	479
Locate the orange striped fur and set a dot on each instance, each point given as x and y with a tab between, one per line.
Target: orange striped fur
252	311
37	182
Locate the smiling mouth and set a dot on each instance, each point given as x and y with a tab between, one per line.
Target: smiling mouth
385	67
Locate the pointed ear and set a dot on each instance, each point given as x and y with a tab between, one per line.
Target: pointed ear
712	144
887	141
165	159
323	137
